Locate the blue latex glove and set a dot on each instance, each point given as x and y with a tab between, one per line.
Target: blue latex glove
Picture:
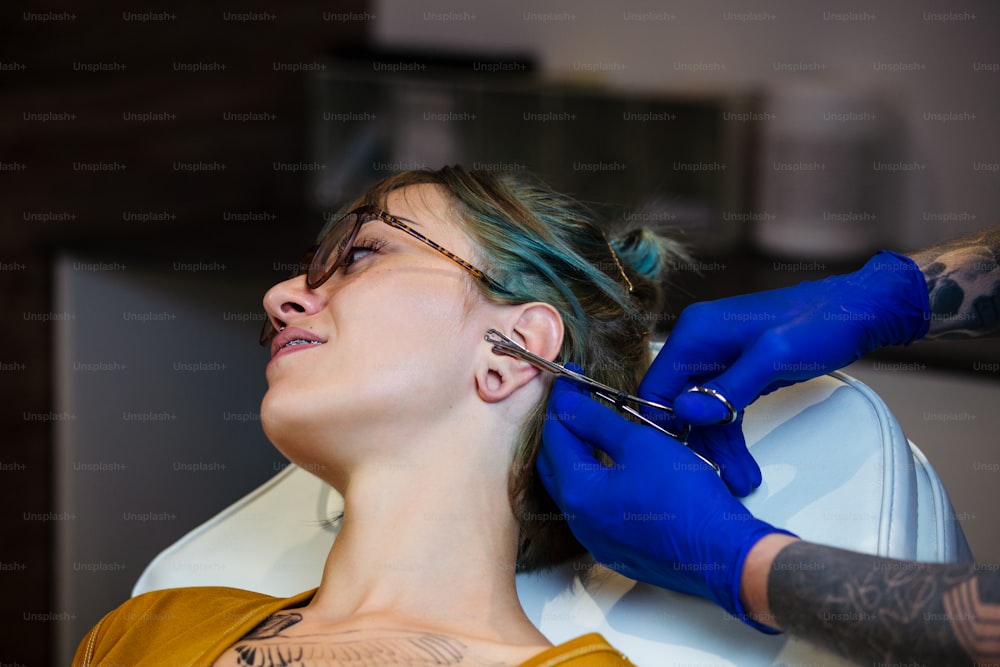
749	345
659	514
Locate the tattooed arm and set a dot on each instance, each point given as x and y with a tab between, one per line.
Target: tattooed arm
963	278
881	610
875	610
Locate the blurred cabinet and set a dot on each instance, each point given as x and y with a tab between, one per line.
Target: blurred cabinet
667	161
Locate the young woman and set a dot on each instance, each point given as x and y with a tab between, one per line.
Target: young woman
381	382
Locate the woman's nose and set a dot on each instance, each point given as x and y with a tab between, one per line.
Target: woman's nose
291	300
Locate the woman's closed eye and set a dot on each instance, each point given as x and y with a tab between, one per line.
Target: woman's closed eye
362	248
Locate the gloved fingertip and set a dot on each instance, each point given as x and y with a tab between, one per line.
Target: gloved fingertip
756	478
740	472
700	409
738	484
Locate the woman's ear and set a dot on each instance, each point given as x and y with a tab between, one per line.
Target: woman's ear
538	328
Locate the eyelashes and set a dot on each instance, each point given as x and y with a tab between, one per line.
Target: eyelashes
362	248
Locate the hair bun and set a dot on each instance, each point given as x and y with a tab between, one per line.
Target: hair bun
647	253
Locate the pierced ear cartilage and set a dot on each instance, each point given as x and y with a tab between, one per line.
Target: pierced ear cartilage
731	417
622	401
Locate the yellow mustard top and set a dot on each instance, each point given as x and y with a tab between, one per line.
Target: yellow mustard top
194	626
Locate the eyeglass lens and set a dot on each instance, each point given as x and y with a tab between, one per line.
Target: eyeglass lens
323	260
334	247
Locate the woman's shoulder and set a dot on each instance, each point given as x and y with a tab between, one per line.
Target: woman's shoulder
195	617
212	596
590	650
202	602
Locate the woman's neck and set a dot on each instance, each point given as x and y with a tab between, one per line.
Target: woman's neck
428	543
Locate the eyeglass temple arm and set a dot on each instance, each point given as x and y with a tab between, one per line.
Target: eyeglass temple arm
620	399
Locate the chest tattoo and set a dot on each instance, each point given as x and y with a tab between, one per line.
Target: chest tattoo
268	645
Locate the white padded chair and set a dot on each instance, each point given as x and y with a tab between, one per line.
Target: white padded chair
837	470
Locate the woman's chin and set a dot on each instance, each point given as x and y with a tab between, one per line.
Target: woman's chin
285	408
279	421
299	439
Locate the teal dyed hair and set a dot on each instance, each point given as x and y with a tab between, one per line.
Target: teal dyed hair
541	245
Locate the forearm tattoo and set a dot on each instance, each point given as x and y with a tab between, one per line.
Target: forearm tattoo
883	611
963	278
268	646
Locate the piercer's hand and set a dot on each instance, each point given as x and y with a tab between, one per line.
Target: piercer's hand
746	346
658	514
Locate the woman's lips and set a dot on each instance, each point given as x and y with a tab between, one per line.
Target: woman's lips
291	340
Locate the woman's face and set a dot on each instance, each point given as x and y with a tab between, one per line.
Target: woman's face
386	347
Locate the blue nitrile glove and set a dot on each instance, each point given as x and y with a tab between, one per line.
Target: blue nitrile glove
749	345
659	514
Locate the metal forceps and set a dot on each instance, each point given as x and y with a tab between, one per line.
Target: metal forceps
622	401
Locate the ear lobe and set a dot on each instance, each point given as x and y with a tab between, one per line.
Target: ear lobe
537	327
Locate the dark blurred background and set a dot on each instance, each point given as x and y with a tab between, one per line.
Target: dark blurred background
160	168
